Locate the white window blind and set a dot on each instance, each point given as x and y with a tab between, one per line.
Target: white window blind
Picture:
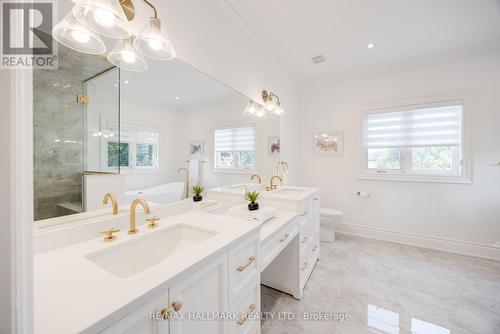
137	134
235	139
423	127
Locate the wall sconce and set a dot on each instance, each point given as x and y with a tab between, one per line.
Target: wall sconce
83	27
272	103
255	110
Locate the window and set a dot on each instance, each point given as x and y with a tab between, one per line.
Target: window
419	142
118	152
138	148
234	148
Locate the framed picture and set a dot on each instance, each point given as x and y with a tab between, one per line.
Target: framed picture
273	146
328	144
196	150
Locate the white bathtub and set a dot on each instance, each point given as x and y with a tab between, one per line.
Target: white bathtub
162	194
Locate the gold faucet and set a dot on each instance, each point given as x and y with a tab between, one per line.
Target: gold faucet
186	182
114	202
273	186
133	229
256	176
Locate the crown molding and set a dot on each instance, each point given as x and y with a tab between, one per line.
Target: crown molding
245	13
444	56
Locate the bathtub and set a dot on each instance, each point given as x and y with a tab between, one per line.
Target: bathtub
162	194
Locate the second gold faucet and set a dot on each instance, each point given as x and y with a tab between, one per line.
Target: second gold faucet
133	227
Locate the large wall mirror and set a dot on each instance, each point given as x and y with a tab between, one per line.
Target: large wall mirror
98	129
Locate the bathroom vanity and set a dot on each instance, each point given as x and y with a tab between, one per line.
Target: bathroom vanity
180	276
192	262
289	247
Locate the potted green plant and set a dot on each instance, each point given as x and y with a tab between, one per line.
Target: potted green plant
252	197
197	190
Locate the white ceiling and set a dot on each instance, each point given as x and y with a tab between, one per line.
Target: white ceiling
295	30
166	80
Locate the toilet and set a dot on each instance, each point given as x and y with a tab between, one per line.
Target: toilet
329	218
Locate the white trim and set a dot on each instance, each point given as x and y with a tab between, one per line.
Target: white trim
463	98
21	125
419	240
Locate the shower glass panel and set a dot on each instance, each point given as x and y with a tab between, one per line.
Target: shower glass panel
64	112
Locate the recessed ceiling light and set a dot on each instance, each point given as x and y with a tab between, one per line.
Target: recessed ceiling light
126	81
116	85
318	59
177	98
370	45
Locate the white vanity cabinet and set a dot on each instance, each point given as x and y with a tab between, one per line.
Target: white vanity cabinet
230	283
308	223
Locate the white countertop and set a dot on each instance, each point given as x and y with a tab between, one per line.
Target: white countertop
268	228
288	193
72	294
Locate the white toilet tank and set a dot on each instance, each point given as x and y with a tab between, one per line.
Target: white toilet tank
329	218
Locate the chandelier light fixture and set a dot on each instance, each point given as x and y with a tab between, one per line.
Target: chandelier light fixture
272	106
81	30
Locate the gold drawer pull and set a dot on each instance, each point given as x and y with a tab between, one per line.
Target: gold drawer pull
315	247
285	237
251	259
244	316
175	306
304	267
304	240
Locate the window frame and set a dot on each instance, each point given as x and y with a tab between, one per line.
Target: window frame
132	150
213	161
402	174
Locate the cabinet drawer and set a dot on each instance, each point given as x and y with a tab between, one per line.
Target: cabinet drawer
305	232
305	258
246	307
145	319
272	247
315	244
244	266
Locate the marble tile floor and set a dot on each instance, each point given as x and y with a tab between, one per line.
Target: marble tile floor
385	287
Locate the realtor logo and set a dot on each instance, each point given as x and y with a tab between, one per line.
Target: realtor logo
26	35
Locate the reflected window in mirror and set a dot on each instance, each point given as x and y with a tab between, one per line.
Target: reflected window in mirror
234	148
138	148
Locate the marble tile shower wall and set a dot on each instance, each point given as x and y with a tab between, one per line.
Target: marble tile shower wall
58	136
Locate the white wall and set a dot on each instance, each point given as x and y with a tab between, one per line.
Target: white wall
199	123
210	37
468	213
5	231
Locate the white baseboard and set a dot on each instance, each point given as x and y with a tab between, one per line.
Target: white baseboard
447	245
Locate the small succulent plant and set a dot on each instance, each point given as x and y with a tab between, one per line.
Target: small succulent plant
198	189
252	196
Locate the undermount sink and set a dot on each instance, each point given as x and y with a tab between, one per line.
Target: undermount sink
129	258
246	187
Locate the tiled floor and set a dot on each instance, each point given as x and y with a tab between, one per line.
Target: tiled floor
389	288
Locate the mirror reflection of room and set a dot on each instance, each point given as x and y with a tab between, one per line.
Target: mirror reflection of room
153	134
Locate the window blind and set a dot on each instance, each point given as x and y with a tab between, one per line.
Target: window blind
235	139
424	127
135	134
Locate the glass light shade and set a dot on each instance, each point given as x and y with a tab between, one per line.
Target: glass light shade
105	17
270	104
77	36
261	113
152	43
126	57
279	110
252	108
